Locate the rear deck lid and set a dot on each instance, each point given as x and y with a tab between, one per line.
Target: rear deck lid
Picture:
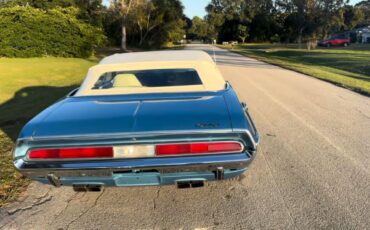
112	115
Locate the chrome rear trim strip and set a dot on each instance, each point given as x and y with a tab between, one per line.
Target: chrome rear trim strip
108	167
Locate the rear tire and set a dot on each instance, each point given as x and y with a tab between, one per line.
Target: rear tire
345	44
328	45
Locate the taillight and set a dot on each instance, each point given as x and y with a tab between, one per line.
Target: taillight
70	153
198	148
135	151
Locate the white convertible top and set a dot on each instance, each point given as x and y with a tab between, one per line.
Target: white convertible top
140	57
200	61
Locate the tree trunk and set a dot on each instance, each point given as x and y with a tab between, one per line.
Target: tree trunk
141	37
124	33
325	34
124	38
300	38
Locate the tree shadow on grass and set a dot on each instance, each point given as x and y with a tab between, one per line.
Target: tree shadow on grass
25	104
14	114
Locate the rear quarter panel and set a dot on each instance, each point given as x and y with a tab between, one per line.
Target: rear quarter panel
239	116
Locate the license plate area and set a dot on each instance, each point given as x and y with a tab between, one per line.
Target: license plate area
134	151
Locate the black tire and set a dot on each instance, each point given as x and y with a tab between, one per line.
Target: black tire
345	44
328	45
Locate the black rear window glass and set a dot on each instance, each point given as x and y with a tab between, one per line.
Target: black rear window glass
148	78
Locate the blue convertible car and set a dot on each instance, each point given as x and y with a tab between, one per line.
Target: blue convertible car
151	118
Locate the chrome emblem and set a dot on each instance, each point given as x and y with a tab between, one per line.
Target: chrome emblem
207	125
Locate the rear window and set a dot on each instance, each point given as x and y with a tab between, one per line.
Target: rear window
148	78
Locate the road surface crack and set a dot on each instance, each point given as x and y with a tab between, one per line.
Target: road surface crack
86	211
155	198
39	201
215	222
66	206
270	135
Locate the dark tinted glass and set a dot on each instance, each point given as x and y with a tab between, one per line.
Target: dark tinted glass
150	78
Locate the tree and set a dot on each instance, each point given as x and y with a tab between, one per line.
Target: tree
172	28
52	32
89	10
352	16
199	28
262	20
364	6
288	20
146	20
309	18
124	9
145	23
242	32
237	20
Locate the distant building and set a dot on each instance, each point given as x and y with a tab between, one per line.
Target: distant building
362	34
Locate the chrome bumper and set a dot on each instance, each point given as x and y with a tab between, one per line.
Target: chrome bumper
37	169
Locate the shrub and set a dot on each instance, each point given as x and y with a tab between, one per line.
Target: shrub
29	32
275	38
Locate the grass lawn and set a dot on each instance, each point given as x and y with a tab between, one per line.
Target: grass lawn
345	66
27	86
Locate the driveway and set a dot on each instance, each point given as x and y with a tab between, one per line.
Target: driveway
312	170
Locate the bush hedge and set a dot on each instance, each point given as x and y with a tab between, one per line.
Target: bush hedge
29	32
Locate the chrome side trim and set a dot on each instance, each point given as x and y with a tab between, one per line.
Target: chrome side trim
255	140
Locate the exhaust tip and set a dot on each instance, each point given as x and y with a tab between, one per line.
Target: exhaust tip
87	187
190	184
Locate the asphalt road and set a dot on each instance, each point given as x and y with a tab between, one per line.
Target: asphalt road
312	170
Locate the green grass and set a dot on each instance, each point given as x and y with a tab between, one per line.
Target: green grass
348	67
27	86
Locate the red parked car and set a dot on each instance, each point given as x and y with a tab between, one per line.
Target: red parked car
335	41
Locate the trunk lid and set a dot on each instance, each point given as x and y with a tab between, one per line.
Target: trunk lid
112	115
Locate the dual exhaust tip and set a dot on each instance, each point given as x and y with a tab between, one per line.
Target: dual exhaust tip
190	184
87	187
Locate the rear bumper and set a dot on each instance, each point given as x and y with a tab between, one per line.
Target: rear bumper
131	172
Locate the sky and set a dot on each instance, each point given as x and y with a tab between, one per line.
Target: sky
196	7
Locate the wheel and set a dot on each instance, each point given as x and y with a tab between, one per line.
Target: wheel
328	45
345	44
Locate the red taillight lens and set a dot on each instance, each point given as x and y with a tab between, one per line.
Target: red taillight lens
68	153
135	151
198	148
